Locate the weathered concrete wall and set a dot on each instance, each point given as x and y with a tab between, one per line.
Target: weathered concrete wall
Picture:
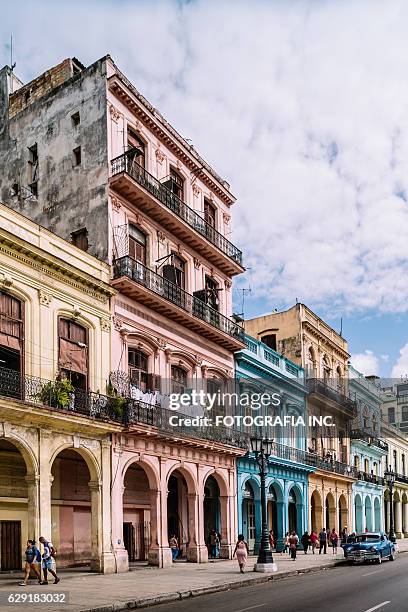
70	197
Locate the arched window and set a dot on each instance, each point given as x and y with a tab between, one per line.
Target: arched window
366	466
356	462
11	332
210	213
73	352
178	379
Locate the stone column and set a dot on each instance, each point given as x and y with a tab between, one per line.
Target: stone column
202	554
405	519
95	487
119	550
226	542
398	519
387	508
45	483
108	564
194	551
33	508
159	551
162	528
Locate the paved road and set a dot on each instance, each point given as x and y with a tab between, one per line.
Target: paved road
358	588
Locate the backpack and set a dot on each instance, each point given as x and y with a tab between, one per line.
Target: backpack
37	555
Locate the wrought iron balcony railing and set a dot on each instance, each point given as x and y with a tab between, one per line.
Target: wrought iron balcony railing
335	393
59	395
360	434
373	478
126	266
127	163
312	460
401	478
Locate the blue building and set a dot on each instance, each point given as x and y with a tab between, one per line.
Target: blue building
259	367
367	450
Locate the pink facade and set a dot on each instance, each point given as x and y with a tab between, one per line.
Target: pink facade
162	337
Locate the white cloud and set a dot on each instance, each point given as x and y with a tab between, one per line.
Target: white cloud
367	363
400	368
301	106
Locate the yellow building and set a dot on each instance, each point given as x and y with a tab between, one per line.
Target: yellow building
300	335
55	421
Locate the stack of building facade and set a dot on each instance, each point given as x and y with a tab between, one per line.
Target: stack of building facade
116	274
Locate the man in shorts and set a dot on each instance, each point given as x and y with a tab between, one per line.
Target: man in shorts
47	561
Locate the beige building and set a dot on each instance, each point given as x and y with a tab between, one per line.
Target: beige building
396	460
300	335
55	422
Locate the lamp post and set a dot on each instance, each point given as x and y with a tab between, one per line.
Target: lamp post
262	449
390	480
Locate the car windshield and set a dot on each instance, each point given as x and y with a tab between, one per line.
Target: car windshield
367	538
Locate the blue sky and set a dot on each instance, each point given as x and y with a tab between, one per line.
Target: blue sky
302	106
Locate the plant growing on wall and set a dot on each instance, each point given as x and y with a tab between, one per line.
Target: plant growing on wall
57	394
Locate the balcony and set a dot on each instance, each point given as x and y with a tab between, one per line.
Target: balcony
273	360
373	478
330	393
117	409
360	434
60	396
142	189
149	288
312	460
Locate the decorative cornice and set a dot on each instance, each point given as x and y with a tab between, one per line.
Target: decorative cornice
151	118
54	267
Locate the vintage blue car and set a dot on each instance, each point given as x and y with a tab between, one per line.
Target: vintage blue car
362	547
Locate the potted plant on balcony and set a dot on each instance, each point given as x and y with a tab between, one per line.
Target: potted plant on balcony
57	394
117	402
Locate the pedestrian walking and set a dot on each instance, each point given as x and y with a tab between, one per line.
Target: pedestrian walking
305	541
173	543
334	539
271	539
344	535
213	542
32	562
323	541
286	543
313	541
293	543
241	550
48	557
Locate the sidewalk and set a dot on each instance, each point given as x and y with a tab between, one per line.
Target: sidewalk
148	586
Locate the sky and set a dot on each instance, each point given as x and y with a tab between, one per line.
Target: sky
303	107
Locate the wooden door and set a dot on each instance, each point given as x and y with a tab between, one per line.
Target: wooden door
11	545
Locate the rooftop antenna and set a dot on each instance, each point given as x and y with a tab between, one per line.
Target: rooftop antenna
244	291
11	54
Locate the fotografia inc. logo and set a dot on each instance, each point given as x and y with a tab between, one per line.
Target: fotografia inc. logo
240	410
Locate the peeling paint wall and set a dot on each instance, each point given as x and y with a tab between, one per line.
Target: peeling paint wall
70	197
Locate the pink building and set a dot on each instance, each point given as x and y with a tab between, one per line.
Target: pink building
173	267
85	155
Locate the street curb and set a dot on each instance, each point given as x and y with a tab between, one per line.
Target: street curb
154	600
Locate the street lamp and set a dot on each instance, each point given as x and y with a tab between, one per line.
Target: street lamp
390	479
262	449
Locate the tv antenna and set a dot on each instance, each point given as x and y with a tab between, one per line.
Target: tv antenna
245	291
11	54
